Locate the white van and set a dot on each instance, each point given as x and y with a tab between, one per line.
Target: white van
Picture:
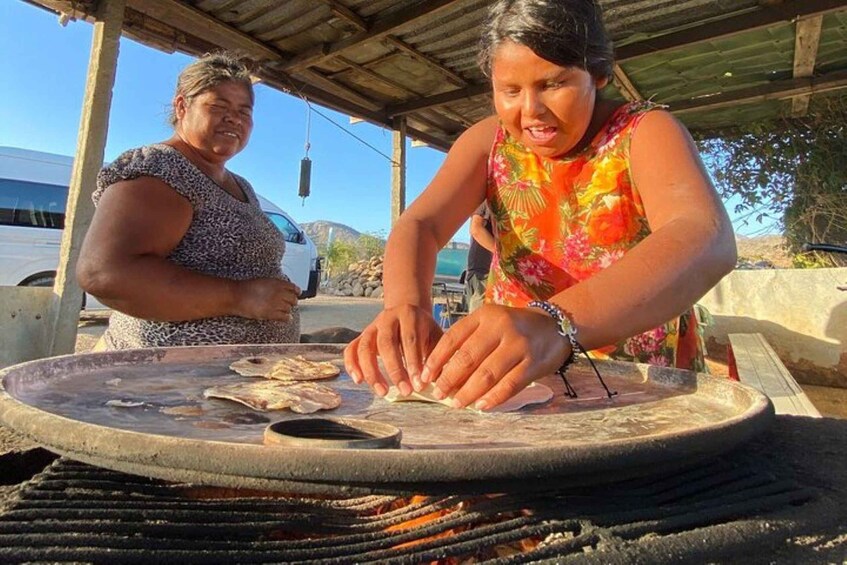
33	196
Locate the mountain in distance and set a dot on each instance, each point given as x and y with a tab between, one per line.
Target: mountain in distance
318	231
771	248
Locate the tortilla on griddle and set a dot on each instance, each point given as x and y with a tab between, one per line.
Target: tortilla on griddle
281	368
535	393
303	398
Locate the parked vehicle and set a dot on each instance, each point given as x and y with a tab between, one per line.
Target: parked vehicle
451	263
301	262
33	196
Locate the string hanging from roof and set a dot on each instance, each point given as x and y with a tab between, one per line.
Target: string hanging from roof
294	90
305	162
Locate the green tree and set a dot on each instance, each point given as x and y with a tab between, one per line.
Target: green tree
790	169
370	245
339	255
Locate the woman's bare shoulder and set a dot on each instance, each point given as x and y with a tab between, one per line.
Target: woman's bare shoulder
659	122
146	192
478	138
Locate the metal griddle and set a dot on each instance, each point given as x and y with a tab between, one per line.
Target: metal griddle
661	419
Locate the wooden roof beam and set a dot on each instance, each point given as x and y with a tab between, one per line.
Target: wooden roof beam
314	94
345	13
379	29
437	100
349	15
196	22
190	20
448	126
777	90
426	59
807	37
624	85
429	139
164	34
85	9
455	116
319	89
325	83
766	15
374	75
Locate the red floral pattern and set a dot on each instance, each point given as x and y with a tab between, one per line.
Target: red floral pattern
560	221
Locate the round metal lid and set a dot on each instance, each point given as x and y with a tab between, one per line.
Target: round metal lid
142	411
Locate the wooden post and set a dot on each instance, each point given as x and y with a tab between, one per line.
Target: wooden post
807	38
398	169
91	146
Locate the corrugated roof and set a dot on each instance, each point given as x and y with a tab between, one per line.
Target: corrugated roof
716	63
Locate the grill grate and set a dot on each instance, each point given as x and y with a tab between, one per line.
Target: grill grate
76	512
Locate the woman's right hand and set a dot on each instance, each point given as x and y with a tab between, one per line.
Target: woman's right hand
265	299
402	336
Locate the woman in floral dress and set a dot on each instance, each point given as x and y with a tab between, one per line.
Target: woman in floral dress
607	226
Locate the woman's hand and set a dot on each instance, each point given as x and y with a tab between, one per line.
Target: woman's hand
265	299
493	354
402	336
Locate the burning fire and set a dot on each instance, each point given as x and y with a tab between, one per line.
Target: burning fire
484	553
428	517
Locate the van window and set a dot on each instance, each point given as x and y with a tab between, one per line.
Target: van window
32	204
283	224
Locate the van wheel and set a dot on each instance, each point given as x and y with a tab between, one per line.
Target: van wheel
44	280
48	281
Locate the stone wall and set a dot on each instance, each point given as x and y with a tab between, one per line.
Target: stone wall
800	312
363	278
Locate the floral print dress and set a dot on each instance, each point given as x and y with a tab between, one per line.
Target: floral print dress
560	221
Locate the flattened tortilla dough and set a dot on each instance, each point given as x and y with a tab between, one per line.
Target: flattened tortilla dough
303	398
535	393
122	403
285	368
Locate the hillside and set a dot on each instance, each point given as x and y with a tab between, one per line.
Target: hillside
770	248
319	231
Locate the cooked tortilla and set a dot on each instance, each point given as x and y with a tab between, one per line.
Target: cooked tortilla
282	368
535	393
303	398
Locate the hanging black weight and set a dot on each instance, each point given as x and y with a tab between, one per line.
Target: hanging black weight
305	177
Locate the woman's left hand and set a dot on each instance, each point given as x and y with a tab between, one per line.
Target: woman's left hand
492	354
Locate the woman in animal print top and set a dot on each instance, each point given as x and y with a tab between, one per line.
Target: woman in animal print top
178	245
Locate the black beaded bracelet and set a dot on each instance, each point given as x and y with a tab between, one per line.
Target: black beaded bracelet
566	329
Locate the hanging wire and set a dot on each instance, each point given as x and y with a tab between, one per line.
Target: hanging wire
308	128
305	162
296	91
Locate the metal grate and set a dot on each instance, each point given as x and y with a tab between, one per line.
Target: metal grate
75	512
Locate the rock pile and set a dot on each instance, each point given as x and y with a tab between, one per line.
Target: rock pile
363	278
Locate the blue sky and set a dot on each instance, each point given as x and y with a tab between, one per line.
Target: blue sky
43	81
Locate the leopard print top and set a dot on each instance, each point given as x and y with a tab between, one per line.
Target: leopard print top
227	238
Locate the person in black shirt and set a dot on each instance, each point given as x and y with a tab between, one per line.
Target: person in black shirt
479	257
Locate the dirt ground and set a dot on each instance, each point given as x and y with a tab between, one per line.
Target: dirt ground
316	313
324	312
